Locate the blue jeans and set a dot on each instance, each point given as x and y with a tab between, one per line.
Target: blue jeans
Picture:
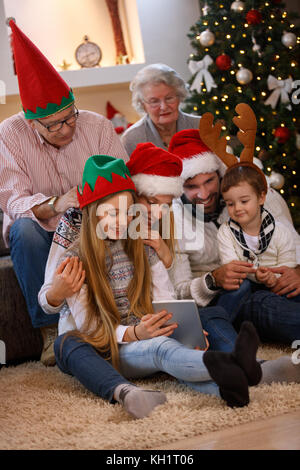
82	361
256	287
276	318
217	319
231	300
162	354
29	249
221	333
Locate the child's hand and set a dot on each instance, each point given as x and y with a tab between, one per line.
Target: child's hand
67	280
265	276
161	248
206	341
155	324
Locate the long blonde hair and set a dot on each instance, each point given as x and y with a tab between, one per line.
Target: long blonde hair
102	316
170	241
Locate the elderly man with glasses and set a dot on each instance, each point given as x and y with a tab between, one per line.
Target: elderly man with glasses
42	155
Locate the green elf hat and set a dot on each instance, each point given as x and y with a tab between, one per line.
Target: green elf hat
43	92
103	176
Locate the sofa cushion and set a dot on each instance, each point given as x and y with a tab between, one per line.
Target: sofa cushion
22	341
3	250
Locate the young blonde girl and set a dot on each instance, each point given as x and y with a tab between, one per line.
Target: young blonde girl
81	278
112	314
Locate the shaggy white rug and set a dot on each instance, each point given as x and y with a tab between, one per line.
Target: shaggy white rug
41	408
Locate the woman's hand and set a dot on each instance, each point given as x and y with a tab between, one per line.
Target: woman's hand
67	280
162	250
265	276
154	324
206	342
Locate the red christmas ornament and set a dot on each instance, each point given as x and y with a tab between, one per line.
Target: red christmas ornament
282	134
277	1
253	17
223	62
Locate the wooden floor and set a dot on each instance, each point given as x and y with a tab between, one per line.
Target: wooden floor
278	433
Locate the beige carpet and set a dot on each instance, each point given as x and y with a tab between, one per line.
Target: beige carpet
41	408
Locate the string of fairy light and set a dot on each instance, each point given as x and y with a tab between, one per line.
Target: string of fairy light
240	63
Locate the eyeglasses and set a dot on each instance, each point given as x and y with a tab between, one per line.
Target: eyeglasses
70	121
155	103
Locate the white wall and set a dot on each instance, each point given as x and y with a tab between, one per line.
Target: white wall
6	71
58	26
165	25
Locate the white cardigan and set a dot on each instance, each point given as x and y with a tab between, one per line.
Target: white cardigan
280	252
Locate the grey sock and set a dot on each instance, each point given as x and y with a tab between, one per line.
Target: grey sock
138	402
280	370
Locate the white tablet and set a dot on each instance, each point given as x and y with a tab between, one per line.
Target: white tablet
185	312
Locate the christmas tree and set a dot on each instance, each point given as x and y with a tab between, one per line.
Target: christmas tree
249	51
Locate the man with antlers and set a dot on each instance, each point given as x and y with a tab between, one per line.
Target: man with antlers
201	275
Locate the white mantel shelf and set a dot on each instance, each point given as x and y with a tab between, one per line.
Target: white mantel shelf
89	77
101	75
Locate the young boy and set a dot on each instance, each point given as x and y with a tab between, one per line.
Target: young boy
252	234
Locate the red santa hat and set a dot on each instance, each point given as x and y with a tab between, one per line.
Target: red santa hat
155	171
196	157
43	92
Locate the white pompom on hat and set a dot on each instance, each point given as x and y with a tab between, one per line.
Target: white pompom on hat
155	171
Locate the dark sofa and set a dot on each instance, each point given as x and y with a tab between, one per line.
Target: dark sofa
22	341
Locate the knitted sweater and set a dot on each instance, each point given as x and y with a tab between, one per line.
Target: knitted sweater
188	272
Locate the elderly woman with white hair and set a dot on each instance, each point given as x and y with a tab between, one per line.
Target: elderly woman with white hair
157	91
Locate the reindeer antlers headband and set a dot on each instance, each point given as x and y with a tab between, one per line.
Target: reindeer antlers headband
246	122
